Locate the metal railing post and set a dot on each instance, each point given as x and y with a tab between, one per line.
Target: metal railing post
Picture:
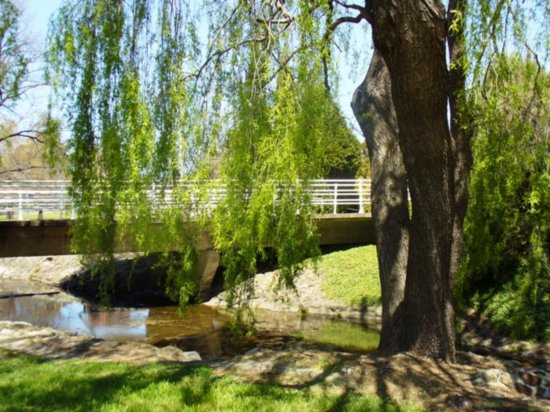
361	205
61	206
335	199
20	209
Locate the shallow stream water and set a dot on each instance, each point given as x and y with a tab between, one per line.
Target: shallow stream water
200	327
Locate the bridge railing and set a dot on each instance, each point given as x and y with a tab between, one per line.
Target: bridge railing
31	199
49	199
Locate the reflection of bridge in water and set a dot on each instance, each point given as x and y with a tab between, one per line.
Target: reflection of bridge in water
35	218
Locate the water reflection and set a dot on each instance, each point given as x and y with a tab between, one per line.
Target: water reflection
75	317
199	328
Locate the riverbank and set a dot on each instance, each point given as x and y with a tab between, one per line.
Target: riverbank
79	373
41	270
501	375
139	281
309	298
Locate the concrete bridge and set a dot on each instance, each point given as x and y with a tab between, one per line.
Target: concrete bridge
48	233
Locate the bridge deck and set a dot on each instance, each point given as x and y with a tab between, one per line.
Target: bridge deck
52	237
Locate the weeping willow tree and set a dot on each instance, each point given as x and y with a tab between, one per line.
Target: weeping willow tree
156	95
506	272
156	90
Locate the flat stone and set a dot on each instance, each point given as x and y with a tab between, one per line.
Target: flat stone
47	342
532	378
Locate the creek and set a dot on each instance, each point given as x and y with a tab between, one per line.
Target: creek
200	328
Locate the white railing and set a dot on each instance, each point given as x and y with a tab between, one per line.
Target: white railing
49	199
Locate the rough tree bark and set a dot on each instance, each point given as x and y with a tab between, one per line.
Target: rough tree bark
373	107
460	136
411	37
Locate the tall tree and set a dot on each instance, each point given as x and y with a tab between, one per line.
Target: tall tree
436	158
144	110
373	107
407	34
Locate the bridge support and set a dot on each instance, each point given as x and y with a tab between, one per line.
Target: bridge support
209	261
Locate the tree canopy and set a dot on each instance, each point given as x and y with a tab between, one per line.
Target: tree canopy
150	101
343	154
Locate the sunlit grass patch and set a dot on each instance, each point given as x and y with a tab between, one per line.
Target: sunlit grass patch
351	276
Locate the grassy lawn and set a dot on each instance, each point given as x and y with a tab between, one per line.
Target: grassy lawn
30	383
351	276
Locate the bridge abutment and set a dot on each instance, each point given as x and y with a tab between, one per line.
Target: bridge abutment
209	261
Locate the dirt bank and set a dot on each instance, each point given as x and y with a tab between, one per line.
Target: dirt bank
308	298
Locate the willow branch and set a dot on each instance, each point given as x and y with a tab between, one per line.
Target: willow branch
23	133
21	169
218	54
362	15
536	94
360	9
284	64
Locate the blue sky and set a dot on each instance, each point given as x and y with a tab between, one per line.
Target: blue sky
36	14
35	24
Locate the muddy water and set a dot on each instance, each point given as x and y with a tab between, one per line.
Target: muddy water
199	328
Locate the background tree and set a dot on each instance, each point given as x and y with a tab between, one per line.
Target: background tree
31	160
342	157
16	82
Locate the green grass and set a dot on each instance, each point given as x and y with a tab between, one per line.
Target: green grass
351	276
30	383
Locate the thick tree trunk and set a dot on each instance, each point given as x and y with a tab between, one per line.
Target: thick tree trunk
411	36
373	107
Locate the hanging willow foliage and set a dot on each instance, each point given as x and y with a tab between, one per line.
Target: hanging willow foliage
505	271
507	265
161	95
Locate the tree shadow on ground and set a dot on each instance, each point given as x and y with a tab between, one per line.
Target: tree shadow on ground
363	382
30	383
398	381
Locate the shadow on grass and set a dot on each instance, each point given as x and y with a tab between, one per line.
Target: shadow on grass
33	383
30	383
